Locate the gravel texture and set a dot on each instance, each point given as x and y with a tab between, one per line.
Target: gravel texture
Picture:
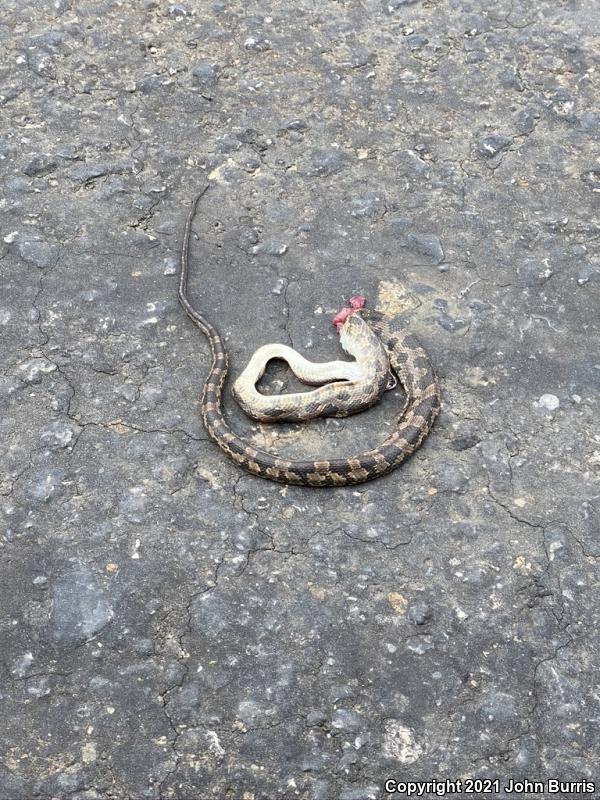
171	627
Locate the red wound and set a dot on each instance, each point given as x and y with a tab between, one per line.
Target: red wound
341	317
356	302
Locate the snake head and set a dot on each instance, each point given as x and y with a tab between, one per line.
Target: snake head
354	304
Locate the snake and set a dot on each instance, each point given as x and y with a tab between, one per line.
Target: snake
351	386
407	359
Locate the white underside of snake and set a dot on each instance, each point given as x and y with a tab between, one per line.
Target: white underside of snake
347	387
376	342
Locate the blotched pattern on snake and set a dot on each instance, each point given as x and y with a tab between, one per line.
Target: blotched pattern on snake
377	341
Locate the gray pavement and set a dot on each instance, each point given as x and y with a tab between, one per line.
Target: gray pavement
171	627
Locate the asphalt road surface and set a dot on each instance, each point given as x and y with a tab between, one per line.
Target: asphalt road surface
172	627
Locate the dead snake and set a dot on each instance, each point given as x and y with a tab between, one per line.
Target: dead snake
407	358
350	386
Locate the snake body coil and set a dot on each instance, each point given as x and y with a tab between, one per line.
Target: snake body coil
408	360
350	386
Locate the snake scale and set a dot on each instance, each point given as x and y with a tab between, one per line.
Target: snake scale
351	386
407	358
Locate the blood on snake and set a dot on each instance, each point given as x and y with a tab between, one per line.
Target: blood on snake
407	359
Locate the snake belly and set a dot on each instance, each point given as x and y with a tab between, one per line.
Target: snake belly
409	362
350	386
